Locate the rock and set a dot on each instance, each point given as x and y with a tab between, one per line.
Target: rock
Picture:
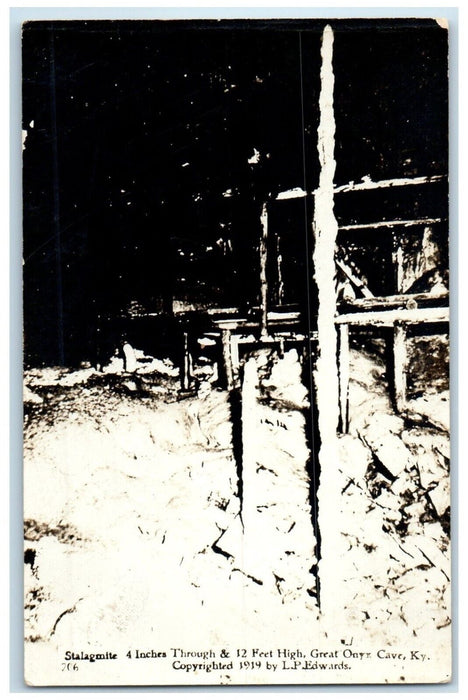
440	496
80	376
434	531
43	376
415	511
114	366
433	408
429	552
379	423
358	398
420	437
355	457
285	383
204	390
30	396
389	500
229	543
163	367
430	471
381	435
392	453
406	481
432	454
443	447
130	385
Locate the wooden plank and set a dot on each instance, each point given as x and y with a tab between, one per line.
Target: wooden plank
368	184
389	317
391	224
222	310
400	300
231	324
294	193
354	279
273	317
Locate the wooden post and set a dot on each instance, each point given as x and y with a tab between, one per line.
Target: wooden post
281	347
397	260
343	367
235	359
185	379
279	262
263	273
400	268
399	366
227	358
398	352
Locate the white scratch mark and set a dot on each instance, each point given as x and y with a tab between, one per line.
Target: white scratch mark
263	270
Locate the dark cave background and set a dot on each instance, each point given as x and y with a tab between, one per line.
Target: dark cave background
136	174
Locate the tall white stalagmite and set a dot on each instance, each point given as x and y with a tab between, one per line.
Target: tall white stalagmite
326	376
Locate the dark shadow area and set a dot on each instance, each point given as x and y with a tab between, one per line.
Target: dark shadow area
312	436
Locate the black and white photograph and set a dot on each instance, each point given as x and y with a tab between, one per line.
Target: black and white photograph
236	352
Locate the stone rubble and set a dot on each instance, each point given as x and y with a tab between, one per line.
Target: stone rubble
151	473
